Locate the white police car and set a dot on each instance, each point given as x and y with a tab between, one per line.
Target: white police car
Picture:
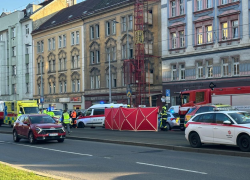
220	127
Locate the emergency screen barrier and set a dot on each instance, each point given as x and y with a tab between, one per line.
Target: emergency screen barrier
132	119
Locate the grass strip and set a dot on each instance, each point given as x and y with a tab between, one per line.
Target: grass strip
10	173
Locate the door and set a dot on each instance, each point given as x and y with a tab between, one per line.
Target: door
87	118
205	128
18	125
26	127
98	117
223	133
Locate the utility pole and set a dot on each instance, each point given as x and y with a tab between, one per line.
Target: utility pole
128	85
110	99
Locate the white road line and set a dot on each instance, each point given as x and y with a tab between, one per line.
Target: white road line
171	168
68	152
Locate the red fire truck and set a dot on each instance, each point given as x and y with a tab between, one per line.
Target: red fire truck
237	97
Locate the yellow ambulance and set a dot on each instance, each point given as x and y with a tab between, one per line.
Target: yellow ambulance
12	109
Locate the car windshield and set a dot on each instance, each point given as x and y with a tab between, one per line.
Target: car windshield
241	117
57	113
31	110
41	119
176	115
191	110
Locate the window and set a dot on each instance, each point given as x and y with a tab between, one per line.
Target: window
13	31
39	88
61	87
123	79
60	41
235	29
72	38
42	67
199	35
13	88
97	56
205	109
60	64
124	24
97	31
207	118
92	57
92	81
53	44
13	51
174	45
174	72
113	27
199	5
64	40
98	82
1	37
49	44
54	65
64	64
108	54
41	46
38	47
73	86
65	86
209	3
14	70
209	32
77	37
26	49
181	7
73	63
113	53
124	52
182	72
200	70
107	28
27	68
78	85
92	33
236	66
114	80
38	68
224	31
50	66
225	67
99	112
223	1
199	97
130	22
27	87
54	87
210	68
220	118
173	9
50	88
27	29
182	40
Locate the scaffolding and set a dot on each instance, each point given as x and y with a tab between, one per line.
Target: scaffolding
135	69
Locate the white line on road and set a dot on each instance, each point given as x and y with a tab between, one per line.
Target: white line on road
171	168
68	152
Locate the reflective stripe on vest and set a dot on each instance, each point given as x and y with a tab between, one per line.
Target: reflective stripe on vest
66	117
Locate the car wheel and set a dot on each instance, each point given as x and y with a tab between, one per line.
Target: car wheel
194	140
168	126
92	127
15	137
103	126
244	143
60	140
81	125
10	124
32	139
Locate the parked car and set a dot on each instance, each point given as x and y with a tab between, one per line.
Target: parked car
37	127
172	120
219	127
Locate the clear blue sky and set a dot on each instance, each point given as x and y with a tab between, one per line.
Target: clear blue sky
12	5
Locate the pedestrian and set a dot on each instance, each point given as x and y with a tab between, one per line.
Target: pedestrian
20	114
73	115
164	119
45	111
40	111
66	120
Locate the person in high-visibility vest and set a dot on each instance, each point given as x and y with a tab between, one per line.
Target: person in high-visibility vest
45	111
164	118
20	114
66	120
73	115
51	114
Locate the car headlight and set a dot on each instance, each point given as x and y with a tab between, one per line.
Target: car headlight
38	130
63	129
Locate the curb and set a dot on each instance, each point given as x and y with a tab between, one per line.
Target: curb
160	146
30	171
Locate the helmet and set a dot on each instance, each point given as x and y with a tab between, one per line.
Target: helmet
164	108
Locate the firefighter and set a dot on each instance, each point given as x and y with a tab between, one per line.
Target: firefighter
164	119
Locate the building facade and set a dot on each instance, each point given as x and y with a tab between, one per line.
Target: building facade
16	47
204	41
105	30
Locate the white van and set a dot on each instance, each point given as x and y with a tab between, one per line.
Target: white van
94	116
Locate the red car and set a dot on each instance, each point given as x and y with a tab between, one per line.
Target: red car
38	127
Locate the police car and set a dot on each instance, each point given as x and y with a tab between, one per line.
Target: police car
219	127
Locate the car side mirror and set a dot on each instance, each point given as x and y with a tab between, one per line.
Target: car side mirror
227	122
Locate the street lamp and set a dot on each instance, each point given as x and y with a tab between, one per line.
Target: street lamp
127	20
41	95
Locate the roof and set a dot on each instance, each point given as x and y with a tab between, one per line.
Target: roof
78	11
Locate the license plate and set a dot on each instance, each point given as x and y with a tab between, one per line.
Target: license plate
54	134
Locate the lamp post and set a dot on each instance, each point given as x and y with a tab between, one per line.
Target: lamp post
127	26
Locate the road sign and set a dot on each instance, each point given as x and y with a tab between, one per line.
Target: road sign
42	100
167	95
129	93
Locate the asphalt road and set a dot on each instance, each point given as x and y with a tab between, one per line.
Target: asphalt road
92	160
173	137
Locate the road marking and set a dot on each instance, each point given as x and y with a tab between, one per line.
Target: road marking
68	152
171	168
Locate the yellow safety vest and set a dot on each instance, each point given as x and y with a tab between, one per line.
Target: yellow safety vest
66	118
19	115
44	112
